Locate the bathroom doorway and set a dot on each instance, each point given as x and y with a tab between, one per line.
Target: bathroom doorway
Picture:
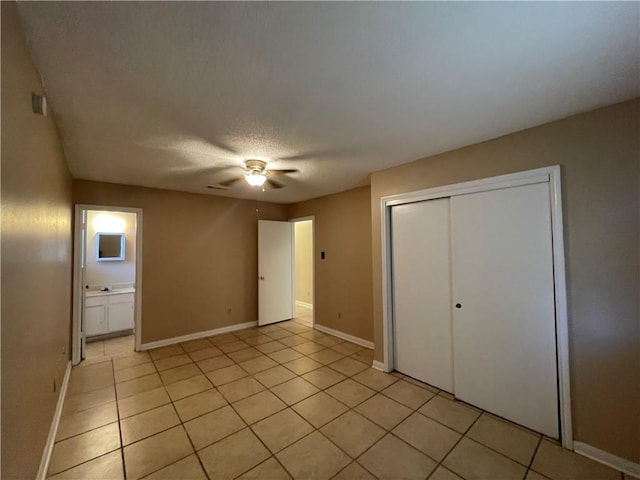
303	270
107	282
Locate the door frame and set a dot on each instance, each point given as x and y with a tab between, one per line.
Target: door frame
550	175
311	218
78	286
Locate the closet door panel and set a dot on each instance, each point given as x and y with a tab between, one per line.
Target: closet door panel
504	331
422	292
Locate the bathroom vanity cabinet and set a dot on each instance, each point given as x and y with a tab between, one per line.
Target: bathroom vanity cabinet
108	312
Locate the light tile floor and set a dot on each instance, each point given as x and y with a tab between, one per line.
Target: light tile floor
304	315
108	348
284	401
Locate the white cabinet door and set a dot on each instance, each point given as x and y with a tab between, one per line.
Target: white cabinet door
422	292
120	317
275	287
120	312
504	328
95	319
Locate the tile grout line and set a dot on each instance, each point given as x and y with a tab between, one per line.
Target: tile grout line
320	390
267	388
228	404
482	412
157	373
272	455
163	385
95	428
463	435
387	431
246	426
118	420
349	409
172	402
535	452
181	424
115	391
347	466
488	447
416	410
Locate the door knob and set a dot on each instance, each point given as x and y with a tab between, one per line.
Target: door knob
458	305
261	278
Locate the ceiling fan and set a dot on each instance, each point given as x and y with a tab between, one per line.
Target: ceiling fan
256	175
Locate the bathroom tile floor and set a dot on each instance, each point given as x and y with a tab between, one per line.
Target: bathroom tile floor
96	351
284	401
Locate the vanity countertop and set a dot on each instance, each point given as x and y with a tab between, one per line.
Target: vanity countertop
116	291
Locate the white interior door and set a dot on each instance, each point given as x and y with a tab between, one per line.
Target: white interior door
275	257
422	292
504	328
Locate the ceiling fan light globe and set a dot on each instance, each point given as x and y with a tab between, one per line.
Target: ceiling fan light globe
255	179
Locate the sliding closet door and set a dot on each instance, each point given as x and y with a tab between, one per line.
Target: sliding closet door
504	320
422	292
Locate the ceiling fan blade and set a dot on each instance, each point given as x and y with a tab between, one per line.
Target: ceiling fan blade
281	170
273	183
217	187
231	181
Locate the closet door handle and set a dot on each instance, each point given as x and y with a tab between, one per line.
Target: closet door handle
458	305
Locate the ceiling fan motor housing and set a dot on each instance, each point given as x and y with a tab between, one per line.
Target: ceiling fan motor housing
256	165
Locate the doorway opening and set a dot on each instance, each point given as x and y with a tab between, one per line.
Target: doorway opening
107	282
303	270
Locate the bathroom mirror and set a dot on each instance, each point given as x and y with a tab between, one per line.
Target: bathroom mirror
109	247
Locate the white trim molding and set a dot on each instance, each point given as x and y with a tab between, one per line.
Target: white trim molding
53	431
378	366
194	336
550	175
78	287
345	336
312	219
609	459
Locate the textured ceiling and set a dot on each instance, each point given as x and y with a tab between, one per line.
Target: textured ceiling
167	95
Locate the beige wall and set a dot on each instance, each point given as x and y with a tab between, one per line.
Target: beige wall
343	278
199	256
599	153
36	260
303	234
108	274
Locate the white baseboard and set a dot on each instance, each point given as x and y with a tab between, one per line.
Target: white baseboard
304	304
378	365
53	431
194	336
345	336
609	459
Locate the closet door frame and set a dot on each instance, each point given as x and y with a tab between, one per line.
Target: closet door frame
550	175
